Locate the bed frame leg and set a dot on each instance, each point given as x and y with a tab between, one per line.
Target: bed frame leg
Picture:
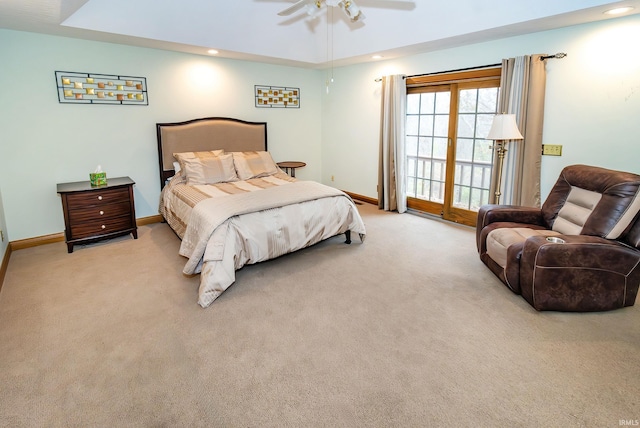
347	235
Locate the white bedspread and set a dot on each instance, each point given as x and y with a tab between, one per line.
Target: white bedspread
227	232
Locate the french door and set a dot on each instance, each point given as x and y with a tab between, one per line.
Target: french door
449	161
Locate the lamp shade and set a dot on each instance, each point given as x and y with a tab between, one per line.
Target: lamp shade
504	127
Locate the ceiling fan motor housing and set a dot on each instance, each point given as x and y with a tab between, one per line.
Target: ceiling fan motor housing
313	7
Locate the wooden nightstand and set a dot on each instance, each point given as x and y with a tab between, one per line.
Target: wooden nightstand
94	213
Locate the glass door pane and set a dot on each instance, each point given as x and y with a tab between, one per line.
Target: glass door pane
474	154
427	129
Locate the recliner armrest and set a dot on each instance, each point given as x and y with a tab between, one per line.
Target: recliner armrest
488	214
585	273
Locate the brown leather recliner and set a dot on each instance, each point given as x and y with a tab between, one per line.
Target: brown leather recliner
579	252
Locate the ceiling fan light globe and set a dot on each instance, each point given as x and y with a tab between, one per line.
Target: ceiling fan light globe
359	17
314	9
352	10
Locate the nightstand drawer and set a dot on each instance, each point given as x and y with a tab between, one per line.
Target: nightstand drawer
105	227
98	212
97	197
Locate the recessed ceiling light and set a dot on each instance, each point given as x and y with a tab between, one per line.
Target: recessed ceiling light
212	52
377	57
618	10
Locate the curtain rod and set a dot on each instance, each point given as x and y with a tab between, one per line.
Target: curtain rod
379	79
559	55
458	69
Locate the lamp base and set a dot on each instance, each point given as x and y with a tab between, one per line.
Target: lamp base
501	150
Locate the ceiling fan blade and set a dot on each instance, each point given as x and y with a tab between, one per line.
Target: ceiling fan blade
294	8
390	4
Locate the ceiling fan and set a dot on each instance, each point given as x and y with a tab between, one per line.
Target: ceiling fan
314	7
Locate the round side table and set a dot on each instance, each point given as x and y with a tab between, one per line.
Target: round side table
291	166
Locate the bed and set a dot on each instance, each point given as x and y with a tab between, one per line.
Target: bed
230	205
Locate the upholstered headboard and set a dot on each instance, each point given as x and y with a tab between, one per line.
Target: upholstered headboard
209	133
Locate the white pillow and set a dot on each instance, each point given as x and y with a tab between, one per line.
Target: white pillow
254	164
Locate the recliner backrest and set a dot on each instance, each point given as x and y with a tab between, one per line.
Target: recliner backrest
588	200
632	237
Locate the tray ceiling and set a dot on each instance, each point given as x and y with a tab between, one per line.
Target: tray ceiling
252	29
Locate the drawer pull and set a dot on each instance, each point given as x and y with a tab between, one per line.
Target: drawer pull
99	198
103	226
101	212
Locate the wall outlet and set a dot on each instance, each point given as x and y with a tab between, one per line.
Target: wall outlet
333	178
552	149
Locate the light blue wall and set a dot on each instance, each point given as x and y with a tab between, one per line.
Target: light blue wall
44	142
592	100
592	105
4	244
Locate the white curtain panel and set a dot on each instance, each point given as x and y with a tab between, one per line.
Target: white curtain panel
392	180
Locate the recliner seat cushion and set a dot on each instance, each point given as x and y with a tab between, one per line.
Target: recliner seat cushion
499	241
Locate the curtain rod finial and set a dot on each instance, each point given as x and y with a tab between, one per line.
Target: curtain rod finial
559	55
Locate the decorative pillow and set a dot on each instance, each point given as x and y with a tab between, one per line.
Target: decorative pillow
178	164
189	155
209	170
254	164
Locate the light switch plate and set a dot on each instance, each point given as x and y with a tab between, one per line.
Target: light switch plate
552	149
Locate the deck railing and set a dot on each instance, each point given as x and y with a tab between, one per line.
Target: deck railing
470	192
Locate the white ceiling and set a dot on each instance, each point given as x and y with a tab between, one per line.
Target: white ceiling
252	30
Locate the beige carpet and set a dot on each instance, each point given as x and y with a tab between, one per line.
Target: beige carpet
407	329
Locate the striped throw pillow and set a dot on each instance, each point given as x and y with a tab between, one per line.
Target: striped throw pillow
189	155
254	164
208	169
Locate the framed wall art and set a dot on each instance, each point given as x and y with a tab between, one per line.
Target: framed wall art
277	96
94	88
